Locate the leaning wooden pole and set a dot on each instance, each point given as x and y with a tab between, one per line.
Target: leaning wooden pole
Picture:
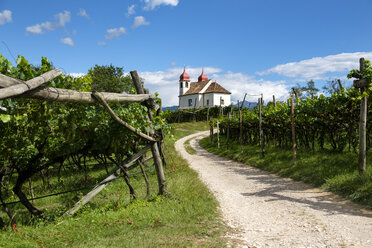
293	132
154	146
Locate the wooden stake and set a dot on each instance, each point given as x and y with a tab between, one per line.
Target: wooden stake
293	132
274	101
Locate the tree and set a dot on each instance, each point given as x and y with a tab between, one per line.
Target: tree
108	78
304	92
332	86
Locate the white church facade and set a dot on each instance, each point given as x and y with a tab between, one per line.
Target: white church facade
203	93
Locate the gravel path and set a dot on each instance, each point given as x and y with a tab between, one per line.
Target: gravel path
269	211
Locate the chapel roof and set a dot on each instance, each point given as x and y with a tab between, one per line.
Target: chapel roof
214	87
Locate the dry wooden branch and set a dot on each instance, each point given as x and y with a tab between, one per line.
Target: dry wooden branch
64	95
146	180
19	89
102	101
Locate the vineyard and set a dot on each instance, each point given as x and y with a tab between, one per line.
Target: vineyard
70	128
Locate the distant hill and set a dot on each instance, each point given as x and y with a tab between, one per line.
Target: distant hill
171	108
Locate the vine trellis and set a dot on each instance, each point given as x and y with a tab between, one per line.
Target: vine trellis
35	88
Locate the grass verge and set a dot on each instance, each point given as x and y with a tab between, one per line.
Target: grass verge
331	171
187	218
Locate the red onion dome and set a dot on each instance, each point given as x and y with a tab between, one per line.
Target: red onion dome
184	76
202	77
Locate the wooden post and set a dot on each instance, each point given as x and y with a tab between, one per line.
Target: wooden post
208	114
293	132
274	101
228	132
193	113
241	123
211	130
154	146
262	142
362	126
241	130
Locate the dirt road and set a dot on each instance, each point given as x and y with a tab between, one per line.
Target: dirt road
269	211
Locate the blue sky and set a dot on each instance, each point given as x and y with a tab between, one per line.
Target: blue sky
248	46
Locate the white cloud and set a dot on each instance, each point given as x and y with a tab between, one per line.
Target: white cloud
36	29
61	20
115	32
140	21
173	63
101	43
131	10
67	41
239	84
152	4
166	84
83	13
5	16
77	74
319	67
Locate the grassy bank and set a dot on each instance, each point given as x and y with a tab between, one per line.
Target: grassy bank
187	218
331	171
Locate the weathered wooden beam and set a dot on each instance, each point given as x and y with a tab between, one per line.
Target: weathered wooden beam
73	96
102	101
31	84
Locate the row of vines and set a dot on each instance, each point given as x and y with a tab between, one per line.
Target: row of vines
37	136
321	122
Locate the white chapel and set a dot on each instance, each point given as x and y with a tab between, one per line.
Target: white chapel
203	93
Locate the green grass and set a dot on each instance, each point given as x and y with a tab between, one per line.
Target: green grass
331	171
188	217
188	147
